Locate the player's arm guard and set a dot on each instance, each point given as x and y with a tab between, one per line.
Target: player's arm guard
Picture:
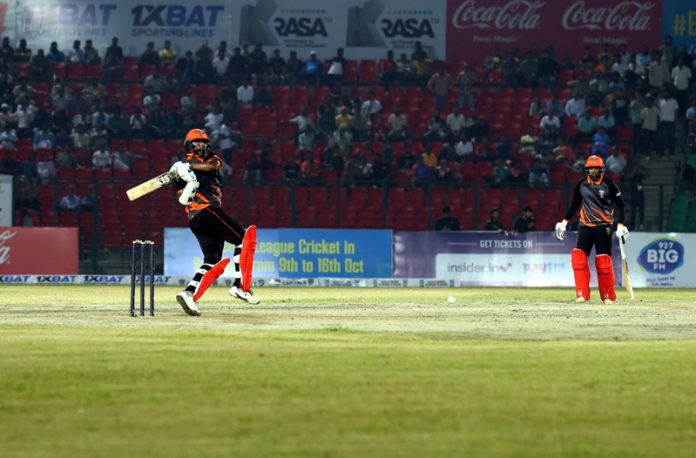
186	196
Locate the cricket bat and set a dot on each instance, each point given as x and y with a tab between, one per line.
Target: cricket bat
149	186
624	268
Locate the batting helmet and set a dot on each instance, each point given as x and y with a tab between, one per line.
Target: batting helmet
194	135
594	161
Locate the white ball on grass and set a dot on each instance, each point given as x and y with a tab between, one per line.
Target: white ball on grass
451	299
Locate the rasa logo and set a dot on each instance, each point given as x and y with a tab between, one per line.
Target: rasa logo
662	256
407	28
299	26
4	248
176	15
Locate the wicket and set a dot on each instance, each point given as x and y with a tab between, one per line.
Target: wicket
142	244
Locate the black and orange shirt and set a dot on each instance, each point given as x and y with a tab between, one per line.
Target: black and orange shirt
209	188
600	203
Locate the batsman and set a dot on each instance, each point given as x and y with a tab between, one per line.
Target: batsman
601	215
199	187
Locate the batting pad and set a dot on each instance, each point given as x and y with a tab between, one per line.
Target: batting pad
581	271
246	258
210	277
605	276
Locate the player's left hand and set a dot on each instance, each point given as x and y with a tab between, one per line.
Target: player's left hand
621	232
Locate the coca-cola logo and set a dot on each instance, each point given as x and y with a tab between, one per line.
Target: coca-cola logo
516	14
5	250
625	16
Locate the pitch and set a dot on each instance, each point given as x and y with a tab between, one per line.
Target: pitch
347	372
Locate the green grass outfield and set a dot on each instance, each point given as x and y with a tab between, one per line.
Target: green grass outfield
347	372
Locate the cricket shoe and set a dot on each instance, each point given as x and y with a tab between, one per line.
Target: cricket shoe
580	300
608	301
185	300
246	296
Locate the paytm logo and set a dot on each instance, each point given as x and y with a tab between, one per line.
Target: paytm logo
662	256
176	15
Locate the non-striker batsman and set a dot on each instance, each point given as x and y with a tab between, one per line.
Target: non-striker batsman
199	187
601	213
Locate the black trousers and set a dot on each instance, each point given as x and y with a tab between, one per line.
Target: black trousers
597	236
212	228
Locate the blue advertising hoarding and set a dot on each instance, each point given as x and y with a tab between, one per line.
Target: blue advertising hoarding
294	253
679	20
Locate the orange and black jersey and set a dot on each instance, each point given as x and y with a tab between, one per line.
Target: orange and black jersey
600	203
210	185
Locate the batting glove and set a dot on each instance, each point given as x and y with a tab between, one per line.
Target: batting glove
622	232
561	229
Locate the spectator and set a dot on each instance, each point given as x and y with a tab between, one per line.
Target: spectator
114	49
455	123
170	85
46	169
421	64
43	138
137	123
607	122
188	102
294	68
620	106
397	126
258	61
154	81
70	202
447	221
535	107
343	119
39	67
586	126
277	68
8	138
550	125
220	63
658	72
112	65
387	71
555	107
681	78
440	84
464	148
122	159
526	222
149	57
404	70
90	54
99	137
80	136
436	128
575	107
303	120
245	93
76	55
101	158
305	141
65	159
94	92
184	68
337	67
54	54
371	107
538	174
615	163
291	171
309	170
203	70
152	101
668	108
501	172
494	223
167	55
601	142
22	54
313	69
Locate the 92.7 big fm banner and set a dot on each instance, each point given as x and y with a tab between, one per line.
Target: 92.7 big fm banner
293	253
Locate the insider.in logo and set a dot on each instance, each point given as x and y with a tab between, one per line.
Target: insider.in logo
662	256
255	23
362	25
